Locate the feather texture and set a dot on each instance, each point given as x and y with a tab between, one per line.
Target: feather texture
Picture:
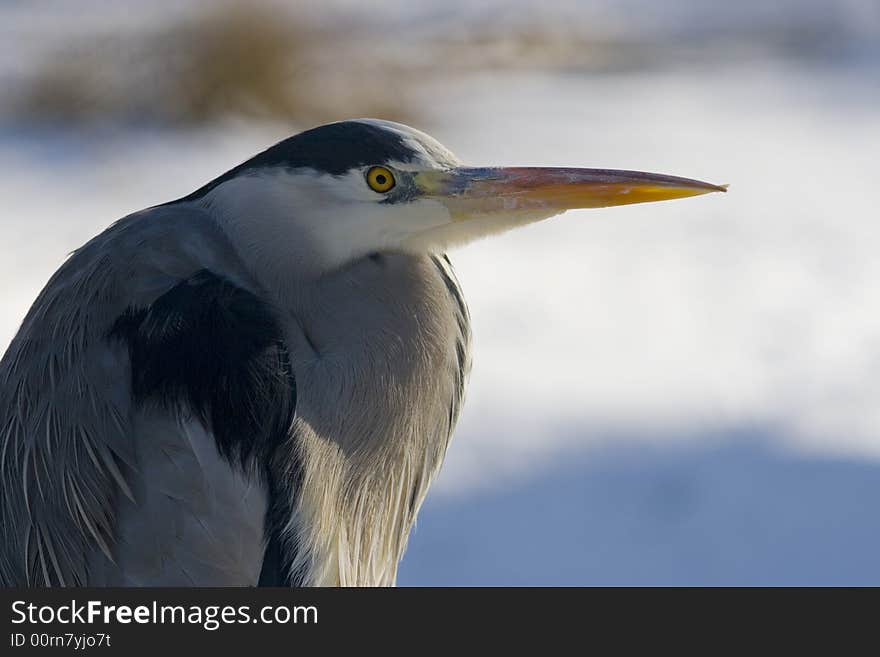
66	405
163	424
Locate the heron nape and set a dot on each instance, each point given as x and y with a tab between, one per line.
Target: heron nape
255	384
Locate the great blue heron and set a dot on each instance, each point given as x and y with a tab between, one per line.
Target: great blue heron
256	383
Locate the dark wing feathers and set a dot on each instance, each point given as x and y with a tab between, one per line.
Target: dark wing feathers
73	406
217	350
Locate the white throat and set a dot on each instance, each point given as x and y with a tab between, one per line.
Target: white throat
294	225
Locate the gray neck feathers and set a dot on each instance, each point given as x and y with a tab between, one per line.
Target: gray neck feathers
381	357
379	348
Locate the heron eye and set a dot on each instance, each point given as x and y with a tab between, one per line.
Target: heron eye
380	179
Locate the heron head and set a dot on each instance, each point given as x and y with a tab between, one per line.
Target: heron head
343	190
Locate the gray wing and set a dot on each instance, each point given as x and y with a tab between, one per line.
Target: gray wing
193	520
117	466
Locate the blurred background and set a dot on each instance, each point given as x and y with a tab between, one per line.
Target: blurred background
680	393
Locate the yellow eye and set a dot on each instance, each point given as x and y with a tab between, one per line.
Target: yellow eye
380	179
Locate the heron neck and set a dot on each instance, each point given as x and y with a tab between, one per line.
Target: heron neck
378	390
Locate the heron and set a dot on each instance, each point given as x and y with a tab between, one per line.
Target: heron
255	384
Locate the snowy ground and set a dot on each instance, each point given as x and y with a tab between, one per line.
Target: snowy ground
676	393
736	513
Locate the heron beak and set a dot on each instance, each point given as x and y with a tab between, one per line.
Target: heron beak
543	191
